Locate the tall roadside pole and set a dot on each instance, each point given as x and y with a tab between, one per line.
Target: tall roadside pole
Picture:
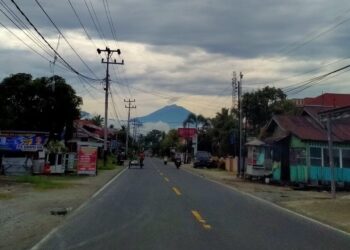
241	167
108	61
235	107
330	154
129	106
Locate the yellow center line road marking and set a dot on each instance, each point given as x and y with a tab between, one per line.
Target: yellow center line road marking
206	226
200	219
166	179
198	216
177	191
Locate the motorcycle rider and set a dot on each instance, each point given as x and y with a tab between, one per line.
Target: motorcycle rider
142	157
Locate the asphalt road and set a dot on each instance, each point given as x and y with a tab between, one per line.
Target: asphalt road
160	207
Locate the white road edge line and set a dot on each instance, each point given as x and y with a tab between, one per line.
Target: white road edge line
270	203
54	230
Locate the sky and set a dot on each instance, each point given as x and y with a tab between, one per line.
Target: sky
180	52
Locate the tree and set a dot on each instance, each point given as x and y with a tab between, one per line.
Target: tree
196	120
170	141
41	104
259	106
97	120
152	140
224	126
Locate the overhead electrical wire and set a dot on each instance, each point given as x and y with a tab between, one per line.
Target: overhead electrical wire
313	81
63	36
27	45
81	23
23	27
93	21
62	60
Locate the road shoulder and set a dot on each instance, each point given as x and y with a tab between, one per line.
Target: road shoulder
315	205
26	210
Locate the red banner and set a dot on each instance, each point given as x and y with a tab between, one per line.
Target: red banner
186	132
87	159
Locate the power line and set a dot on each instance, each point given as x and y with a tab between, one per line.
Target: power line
313	81
81	23
95	24
24	28
64	62
20	39
59	31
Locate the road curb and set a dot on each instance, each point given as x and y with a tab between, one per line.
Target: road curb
269	203
54	230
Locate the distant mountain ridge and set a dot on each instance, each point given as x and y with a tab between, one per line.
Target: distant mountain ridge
173	115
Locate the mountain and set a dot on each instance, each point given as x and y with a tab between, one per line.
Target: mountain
173	115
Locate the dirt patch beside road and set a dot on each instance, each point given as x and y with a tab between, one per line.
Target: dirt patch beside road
312	203
25	208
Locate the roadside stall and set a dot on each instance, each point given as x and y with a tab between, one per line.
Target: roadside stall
22	152
82	157
259	162
55	163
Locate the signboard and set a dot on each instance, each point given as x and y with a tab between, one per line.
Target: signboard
186	132
22	142
87	160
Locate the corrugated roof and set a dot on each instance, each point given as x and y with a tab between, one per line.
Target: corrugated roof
329	99
301	126
306	128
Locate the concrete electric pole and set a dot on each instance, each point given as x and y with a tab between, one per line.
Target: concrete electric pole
129	106
241	167
108	61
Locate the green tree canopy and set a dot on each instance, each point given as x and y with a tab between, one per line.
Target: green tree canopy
196	120
171	140
224	125
41	104
97	120
152	140
259	106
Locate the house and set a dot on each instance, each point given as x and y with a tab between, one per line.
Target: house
332	100
298	146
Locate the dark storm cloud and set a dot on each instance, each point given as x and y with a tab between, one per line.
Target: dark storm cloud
245	29
223	30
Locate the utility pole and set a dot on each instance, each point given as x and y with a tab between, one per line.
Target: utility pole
330	154
241	170
108	61
129	106
234	90
135	125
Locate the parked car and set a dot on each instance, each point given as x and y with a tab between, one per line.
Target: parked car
202	159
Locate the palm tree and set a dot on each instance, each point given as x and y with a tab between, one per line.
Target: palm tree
196	120
97	120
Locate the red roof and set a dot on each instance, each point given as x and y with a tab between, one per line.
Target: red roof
92	128
329	99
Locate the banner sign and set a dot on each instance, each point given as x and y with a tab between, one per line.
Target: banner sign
25	142
186	132
87	160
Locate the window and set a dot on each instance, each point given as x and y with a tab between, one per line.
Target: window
336	159
298	156
346	158
315	156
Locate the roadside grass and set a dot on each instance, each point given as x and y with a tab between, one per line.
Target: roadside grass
44	182
110	164
329	211
5	196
